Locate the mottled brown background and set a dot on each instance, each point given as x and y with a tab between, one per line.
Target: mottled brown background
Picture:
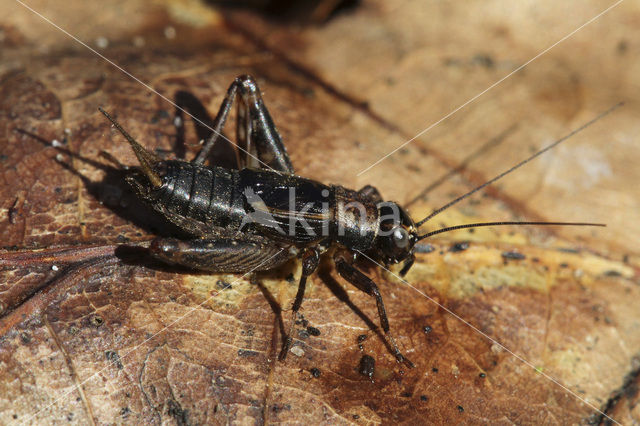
87	343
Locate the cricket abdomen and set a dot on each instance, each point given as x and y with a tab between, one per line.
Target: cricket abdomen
286	208
209	196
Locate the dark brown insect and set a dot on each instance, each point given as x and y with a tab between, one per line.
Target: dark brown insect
261	215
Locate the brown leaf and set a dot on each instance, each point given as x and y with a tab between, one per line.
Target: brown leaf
96	333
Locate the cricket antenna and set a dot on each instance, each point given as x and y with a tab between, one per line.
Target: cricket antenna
146	158
477	225
522	163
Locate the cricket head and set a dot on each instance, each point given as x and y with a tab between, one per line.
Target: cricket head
397	234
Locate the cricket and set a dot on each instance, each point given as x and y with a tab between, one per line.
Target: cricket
261	215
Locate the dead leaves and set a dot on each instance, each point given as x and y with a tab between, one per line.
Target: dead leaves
115	337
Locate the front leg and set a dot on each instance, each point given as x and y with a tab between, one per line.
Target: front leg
223	255
350	273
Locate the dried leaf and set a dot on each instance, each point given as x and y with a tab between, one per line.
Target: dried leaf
96	333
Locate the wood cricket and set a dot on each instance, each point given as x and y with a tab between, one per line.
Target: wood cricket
246	219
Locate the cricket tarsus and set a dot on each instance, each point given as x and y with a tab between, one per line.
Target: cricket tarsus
224	211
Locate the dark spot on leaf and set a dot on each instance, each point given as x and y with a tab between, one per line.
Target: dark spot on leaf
367	366
483	60
96	320
222	285
278	408
175	410
459	247
424	248
124	412
622	47
315	372
114	358
513	255
569	250
313	331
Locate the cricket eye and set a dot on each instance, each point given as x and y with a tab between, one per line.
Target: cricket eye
401	238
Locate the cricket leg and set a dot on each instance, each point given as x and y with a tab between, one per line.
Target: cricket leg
218	123
310	261
365	284
256	132
259	144
228	255
370	192
407	265
187	104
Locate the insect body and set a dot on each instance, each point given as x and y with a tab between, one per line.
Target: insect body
261	215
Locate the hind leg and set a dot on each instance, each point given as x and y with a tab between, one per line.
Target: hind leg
224	254
259	144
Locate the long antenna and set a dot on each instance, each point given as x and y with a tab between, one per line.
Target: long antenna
520	164
477	225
